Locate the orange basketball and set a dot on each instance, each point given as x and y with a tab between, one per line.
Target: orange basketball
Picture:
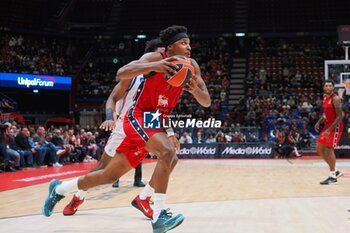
183	74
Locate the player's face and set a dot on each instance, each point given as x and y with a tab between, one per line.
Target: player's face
328	88
181	47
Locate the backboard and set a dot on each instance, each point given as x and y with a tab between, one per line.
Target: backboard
337	70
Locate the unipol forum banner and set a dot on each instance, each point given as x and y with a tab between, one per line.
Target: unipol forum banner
30	81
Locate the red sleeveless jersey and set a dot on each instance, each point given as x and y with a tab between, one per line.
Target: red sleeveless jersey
156	94
328	108
330	115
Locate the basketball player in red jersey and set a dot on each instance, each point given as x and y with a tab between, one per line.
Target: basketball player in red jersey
121	98
157	96
333	128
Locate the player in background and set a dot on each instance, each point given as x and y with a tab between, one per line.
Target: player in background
332	130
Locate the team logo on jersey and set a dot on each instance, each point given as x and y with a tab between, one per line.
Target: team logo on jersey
162	101
151	120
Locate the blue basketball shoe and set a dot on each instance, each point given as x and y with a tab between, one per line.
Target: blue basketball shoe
52	199
166	222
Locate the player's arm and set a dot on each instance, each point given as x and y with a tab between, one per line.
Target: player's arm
341	92
337	104
146	64
197	87
319	122
291	139
172	138
117	93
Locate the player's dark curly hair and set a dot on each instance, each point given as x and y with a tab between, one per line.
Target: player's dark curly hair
153	44
328	81
168	33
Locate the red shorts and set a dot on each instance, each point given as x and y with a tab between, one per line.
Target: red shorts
334	137
133	145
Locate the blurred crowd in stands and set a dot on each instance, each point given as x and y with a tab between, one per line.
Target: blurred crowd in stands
282	102
97	78
31	54
32	147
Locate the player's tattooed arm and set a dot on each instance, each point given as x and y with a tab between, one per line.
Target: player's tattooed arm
197	87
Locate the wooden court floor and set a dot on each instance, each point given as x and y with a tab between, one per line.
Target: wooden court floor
245	196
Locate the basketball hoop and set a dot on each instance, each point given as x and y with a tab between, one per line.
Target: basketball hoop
347	86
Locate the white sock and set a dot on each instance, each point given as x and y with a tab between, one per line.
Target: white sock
159	205
67	186
147	191
81	194
332	174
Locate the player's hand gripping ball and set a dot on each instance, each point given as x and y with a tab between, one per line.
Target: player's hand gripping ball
183	74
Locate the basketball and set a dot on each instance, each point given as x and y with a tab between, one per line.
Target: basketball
183	74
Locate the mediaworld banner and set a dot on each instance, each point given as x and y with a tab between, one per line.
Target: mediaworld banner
30	81
227	150
198	151
246	150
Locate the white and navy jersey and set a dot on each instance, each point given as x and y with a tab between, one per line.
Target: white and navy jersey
117	136
125	103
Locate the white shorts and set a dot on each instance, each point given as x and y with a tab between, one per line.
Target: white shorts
116	138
